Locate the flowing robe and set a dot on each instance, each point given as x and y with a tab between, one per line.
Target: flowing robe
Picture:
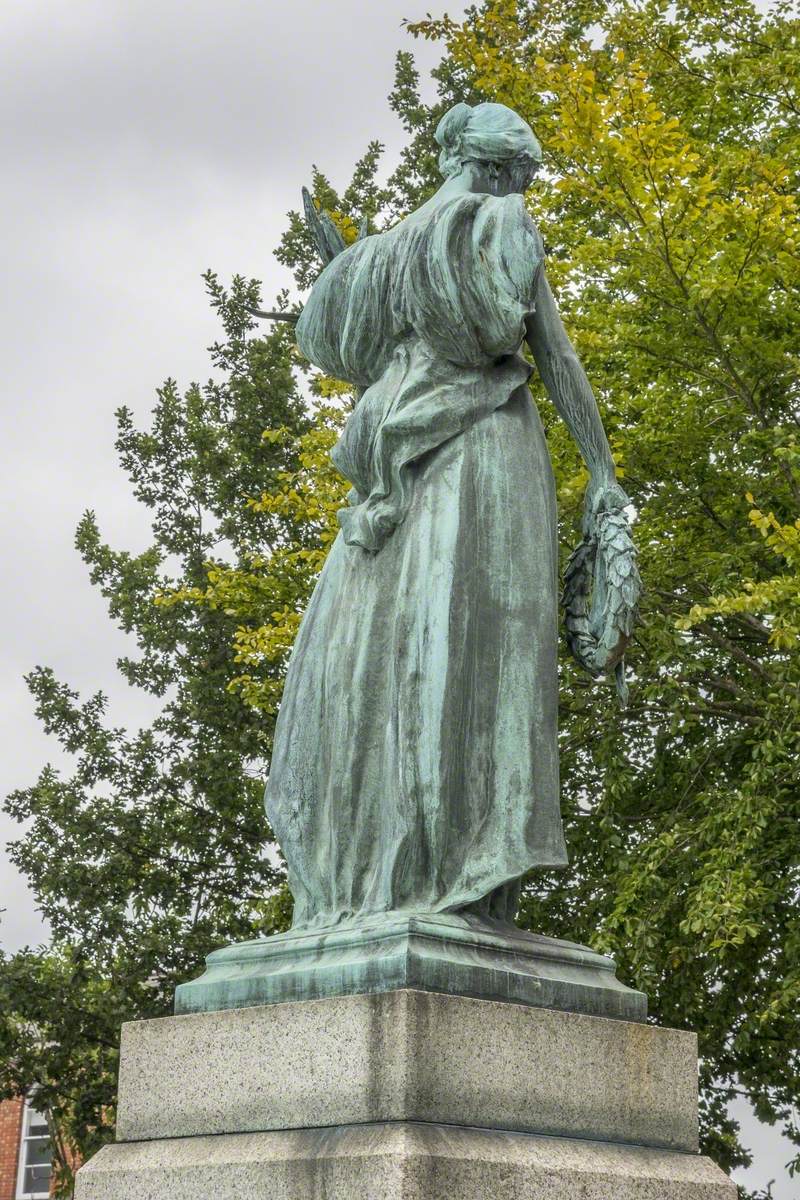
415	764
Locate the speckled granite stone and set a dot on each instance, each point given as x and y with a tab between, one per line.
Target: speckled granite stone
396	1162
408	1056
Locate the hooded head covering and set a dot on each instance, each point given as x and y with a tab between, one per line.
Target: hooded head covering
487	132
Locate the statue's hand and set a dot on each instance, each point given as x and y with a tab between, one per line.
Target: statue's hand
603	494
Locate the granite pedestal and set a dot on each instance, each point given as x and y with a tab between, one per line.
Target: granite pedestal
405	1095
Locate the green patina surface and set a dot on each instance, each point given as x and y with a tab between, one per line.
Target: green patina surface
415	763
439	953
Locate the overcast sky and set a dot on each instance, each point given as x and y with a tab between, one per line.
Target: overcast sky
142	142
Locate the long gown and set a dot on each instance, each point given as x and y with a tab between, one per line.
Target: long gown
415	764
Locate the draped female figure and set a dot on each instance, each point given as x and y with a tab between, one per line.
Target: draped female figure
415	761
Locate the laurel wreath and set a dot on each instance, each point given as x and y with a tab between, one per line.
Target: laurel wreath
602	586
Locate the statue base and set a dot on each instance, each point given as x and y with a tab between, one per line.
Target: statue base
397	1162
404	1095
456	954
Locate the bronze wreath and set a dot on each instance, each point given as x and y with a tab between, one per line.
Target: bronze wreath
601	592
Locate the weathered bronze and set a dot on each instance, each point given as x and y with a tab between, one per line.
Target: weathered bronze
415	764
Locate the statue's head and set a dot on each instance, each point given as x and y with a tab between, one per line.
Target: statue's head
493	137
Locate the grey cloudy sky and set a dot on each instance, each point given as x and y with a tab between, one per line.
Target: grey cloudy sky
143	141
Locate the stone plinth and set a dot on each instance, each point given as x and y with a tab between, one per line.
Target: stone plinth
457	954
404	1096
396	1162
408	1056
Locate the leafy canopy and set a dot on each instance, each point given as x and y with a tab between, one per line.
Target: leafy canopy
670	213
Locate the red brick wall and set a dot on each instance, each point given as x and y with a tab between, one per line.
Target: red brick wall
10	1132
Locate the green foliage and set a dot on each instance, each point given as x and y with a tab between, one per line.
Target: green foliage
152	851
269	593
670	214
761	1194
60	1029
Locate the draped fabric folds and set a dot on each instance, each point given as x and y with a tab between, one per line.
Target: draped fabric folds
415	762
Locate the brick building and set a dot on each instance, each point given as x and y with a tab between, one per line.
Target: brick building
24	1152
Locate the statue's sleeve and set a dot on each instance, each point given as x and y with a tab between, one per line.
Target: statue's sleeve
473	284
507	258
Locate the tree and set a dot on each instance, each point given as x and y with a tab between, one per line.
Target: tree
152	852
670	214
